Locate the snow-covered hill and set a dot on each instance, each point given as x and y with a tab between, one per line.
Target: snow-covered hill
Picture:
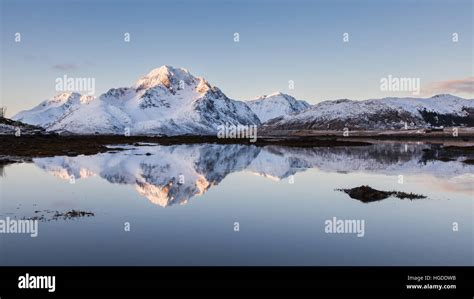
167	101
386	113
275	105
50	111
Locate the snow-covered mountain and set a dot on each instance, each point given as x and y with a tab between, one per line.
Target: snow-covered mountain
171	101
167	101
50	111
386	113
278	104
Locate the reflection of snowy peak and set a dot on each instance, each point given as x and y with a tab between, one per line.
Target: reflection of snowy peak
165	175
387	113
275	105
167	101
168	175
390	159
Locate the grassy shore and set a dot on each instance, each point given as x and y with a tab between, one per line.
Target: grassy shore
30	146
54	145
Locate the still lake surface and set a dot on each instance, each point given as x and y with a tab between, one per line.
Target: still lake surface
182	203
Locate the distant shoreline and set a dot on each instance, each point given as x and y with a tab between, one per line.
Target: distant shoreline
47	145
55	145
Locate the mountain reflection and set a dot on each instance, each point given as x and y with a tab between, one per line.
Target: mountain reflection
168	175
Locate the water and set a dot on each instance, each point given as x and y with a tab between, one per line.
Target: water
182	204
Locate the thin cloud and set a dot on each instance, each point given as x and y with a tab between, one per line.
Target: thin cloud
65	66
451	86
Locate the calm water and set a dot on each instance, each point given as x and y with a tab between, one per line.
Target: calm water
182	203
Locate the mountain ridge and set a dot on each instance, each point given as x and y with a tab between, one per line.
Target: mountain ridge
171	101
166	101
384	114
276	104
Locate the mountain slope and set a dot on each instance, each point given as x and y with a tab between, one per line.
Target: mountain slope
386	113
275	105
10	127
167	101
49	111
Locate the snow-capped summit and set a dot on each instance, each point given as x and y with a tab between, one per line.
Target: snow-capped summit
167	76
277	104
386	113
166	101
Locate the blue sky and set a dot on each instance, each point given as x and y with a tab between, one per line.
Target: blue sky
279	41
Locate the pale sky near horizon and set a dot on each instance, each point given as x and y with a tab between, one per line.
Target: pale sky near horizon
280	40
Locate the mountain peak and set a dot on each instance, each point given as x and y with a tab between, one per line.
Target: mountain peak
167	70
68	97
269	96
278	93
63	97
276	104
165	75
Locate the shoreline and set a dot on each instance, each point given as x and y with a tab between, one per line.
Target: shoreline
56	145
26	147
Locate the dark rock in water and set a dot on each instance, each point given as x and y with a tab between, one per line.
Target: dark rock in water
367	194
